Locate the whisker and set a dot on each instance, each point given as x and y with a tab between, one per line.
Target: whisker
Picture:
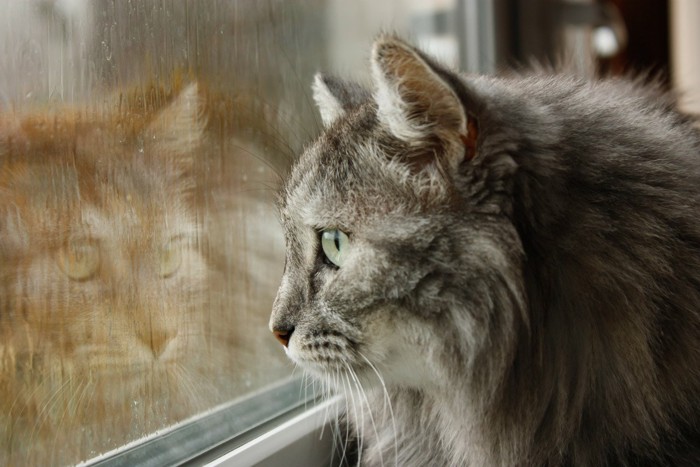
19	395
335	425
348	401
43	413
191	383
260	158
363	396
387	400
77	393
326	395
341	441
356	408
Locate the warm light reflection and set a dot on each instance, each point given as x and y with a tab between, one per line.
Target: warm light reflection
139	247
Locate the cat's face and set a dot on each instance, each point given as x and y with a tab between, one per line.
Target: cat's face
403	253
101	275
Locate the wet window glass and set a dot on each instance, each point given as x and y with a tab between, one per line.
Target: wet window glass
141	147
141	144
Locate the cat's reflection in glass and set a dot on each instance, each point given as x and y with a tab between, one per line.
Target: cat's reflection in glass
102	281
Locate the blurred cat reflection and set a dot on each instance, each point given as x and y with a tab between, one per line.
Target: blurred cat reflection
102	280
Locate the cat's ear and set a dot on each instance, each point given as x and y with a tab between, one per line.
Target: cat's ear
335	97
417	104
179	128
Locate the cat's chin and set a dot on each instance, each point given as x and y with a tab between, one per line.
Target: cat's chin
341	375
318	363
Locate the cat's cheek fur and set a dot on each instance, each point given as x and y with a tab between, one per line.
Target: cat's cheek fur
388	343
400	348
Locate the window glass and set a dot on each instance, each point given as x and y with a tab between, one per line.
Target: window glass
141	144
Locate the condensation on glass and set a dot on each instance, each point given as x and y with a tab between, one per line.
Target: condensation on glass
141	145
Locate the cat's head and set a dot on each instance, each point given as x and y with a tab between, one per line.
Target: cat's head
100	273
399	247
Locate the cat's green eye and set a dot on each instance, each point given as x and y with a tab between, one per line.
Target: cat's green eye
79	260
170	258
335	244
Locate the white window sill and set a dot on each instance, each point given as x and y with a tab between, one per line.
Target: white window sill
303	441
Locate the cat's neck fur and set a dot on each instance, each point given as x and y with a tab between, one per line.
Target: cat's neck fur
529	245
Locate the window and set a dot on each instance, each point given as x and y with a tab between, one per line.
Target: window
140	147
141	144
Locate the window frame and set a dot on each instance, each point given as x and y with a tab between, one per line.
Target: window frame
247	431
282	420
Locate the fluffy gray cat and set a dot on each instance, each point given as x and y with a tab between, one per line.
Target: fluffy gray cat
498	271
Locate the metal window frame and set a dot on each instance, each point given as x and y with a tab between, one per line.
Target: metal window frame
242	432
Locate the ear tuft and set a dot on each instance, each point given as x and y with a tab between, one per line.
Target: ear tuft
178	129
335	97
413	99
328	105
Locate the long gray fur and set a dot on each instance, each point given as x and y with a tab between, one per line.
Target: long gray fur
537	304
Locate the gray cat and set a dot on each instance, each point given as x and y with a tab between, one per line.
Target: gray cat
498	271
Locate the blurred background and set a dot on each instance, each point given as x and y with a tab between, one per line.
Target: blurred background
69	48
108	67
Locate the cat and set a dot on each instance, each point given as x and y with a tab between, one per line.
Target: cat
102	276
498	270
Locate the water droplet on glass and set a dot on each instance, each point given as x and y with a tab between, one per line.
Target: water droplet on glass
107	51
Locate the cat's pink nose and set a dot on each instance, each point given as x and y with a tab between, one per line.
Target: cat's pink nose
283	335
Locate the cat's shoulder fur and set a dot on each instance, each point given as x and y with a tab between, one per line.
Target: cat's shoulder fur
522	279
